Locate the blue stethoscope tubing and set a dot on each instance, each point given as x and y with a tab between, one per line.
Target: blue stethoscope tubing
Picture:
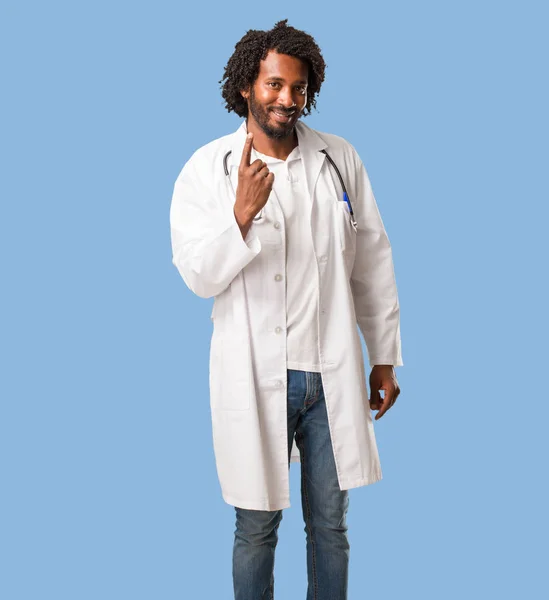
345	194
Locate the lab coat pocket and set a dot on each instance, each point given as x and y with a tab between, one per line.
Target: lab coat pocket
346	229
234	377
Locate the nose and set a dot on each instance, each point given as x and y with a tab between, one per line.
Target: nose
285	98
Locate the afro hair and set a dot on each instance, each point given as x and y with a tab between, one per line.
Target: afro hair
242	67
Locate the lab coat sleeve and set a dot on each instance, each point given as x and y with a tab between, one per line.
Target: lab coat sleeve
373	279
207	245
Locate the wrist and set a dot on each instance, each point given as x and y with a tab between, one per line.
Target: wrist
242	219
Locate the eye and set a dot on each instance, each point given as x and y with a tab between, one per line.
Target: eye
301	89
273	84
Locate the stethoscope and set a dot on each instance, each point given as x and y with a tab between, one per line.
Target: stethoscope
259	216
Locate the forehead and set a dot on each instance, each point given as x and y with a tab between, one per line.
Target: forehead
283	66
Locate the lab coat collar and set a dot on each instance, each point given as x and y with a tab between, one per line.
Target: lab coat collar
310	144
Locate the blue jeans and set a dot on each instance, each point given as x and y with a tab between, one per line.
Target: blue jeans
324	508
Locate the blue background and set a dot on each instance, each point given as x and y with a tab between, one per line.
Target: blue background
109	489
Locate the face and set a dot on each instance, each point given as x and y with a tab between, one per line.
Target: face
279	94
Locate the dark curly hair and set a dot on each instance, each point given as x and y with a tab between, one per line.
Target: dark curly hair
242	68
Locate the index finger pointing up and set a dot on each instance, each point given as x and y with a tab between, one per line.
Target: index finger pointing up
247	151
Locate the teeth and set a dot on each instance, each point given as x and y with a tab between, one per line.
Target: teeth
282	114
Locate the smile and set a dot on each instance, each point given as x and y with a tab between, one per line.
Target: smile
282	117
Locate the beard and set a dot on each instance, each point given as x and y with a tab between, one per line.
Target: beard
280	131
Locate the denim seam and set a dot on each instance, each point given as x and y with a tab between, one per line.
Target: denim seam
308	516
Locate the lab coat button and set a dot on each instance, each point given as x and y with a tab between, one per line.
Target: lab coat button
278	277
278	383
278	329
277	225
323	258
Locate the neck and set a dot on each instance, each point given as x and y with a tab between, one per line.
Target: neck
264	144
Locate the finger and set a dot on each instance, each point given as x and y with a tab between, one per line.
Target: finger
382	408
381	412
270	179
247	151
390	397
257	166
386	404
395	393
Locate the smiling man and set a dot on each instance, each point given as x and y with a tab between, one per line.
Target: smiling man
277	122
278	223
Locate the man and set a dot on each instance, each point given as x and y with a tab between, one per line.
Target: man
260	221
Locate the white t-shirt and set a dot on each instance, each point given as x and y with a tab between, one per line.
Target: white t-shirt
301	300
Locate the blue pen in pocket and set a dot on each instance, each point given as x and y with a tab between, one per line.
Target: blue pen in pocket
346	198
353	222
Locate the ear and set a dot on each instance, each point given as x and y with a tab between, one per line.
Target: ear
245	94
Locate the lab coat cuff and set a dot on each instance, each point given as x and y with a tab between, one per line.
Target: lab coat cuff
386	361
233	251
250	246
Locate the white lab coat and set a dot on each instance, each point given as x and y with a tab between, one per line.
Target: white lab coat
356	285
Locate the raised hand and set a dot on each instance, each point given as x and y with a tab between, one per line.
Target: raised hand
255	183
